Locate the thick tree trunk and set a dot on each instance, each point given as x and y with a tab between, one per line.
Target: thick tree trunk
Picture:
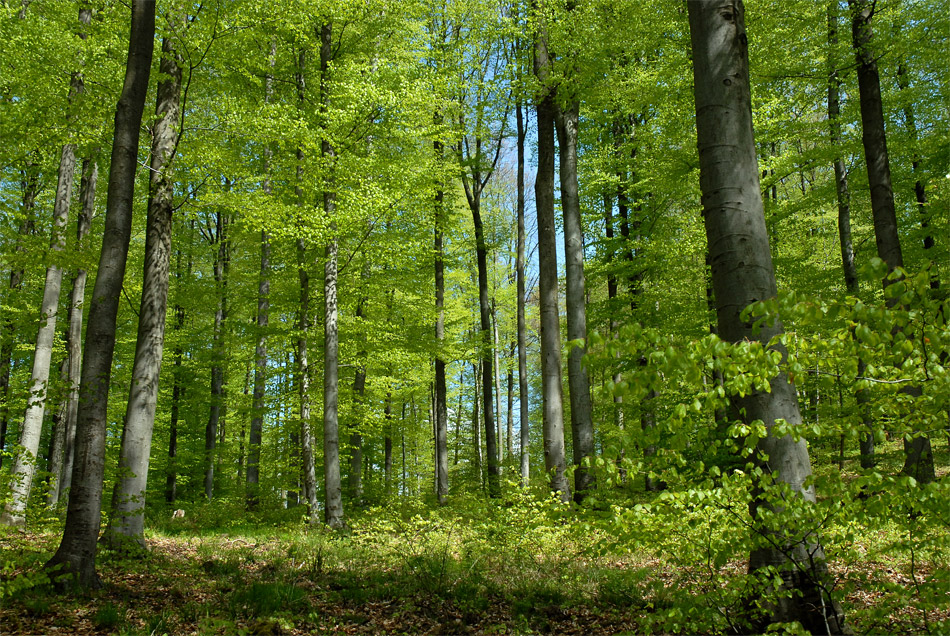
24	465
127	521
555	462
919	455
331	425
76	555
843	195
582	426
742	273
441	404
523	423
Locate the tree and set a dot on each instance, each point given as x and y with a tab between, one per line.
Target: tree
127	520
331	391
24	467
919	461
76	555
743	274
551	397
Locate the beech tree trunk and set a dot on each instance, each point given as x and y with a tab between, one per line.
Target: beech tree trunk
127	521
582	425
74	340
217	411
359	391
742	273
178	387
24	465
866	443
555	462
441	404
30	186
331	424
919	462
258	407
523	424
76	555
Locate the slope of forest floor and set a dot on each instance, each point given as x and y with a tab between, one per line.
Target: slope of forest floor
522	565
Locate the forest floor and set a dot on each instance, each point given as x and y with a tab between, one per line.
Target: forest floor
519	566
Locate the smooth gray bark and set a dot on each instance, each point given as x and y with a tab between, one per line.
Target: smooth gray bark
742	274
30	186
523	423
127	521
331	339
552	422
567	119
76	555
441	404
87	198
24	465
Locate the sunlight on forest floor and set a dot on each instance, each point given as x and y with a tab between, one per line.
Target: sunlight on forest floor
524	564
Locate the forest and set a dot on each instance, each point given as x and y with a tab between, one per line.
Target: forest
474	316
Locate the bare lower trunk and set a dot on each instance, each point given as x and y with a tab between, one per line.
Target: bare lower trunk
87	196
24	465
126	523
919	457
30	185
742	273
844	227
555	462
582	426
441	404
520	282
77	551
218	353
331	425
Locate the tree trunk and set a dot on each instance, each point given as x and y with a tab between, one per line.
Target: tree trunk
612	289
218	408
555	462
127	521
499	445
359	391
476	442
76	555
441	404
742	274
919	455
582	426
178	387
843	195
87	196
388	443
24	465
258	407
523	423
31	187
331	425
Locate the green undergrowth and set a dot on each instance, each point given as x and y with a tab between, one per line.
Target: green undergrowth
674	563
